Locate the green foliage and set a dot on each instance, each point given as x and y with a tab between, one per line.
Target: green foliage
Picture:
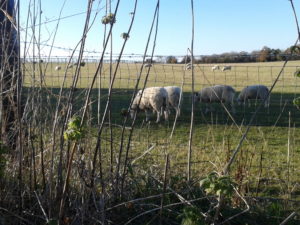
295	49
171	59
125	36
74	131
218	185
109	19
297	73
296	102
191	216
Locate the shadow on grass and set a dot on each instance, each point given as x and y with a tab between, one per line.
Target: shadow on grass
280	111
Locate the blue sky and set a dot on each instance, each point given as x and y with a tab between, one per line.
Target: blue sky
220	25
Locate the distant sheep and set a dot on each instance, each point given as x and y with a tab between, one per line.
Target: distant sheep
82	64
147	65
57	68
174	93
226	68
153	99
254	92
215	67
188	66
217	93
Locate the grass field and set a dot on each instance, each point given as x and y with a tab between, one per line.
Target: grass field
240	76
267	165
281	112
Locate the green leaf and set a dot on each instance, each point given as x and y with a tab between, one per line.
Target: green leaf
297	73
296	102
204	182
74	122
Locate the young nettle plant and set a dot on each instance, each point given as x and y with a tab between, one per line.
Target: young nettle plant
74	131
125	36
191	216
109	19
216	184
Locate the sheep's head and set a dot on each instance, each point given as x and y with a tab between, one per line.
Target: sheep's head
197	97
124	112
132	112
239	99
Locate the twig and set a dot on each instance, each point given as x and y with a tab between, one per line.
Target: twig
193	102
291	216
146	152
240	213
164	187
15	215
166	206
42	208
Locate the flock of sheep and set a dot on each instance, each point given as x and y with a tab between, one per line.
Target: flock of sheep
217	67
159	100
69	66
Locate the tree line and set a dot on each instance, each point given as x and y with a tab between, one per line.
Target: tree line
266	54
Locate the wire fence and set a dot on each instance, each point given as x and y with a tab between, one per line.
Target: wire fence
74	143
239	76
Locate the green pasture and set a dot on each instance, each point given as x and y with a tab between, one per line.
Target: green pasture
269	155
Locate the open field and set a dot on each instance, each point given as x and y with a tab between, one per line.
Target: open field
266	170
240	76
215	133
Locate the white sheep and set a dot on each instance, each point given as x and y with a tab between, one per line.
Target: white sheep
254	92
147	65
188	66
174	93
226	68
217	93
153	99
215	67
57	68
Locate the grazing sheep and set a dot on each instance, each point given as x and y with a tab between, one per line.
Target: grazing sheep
215	67
174	93
57	68
188	66
153	99
82	64
217	93
226	68
147	65
254	92
69	66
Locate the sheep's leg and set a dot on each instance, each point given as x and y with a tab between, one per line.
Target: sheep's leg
158	116
177	111
267	102
232	108
211	109
148	114
232	105
249	103
166	115
207	109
